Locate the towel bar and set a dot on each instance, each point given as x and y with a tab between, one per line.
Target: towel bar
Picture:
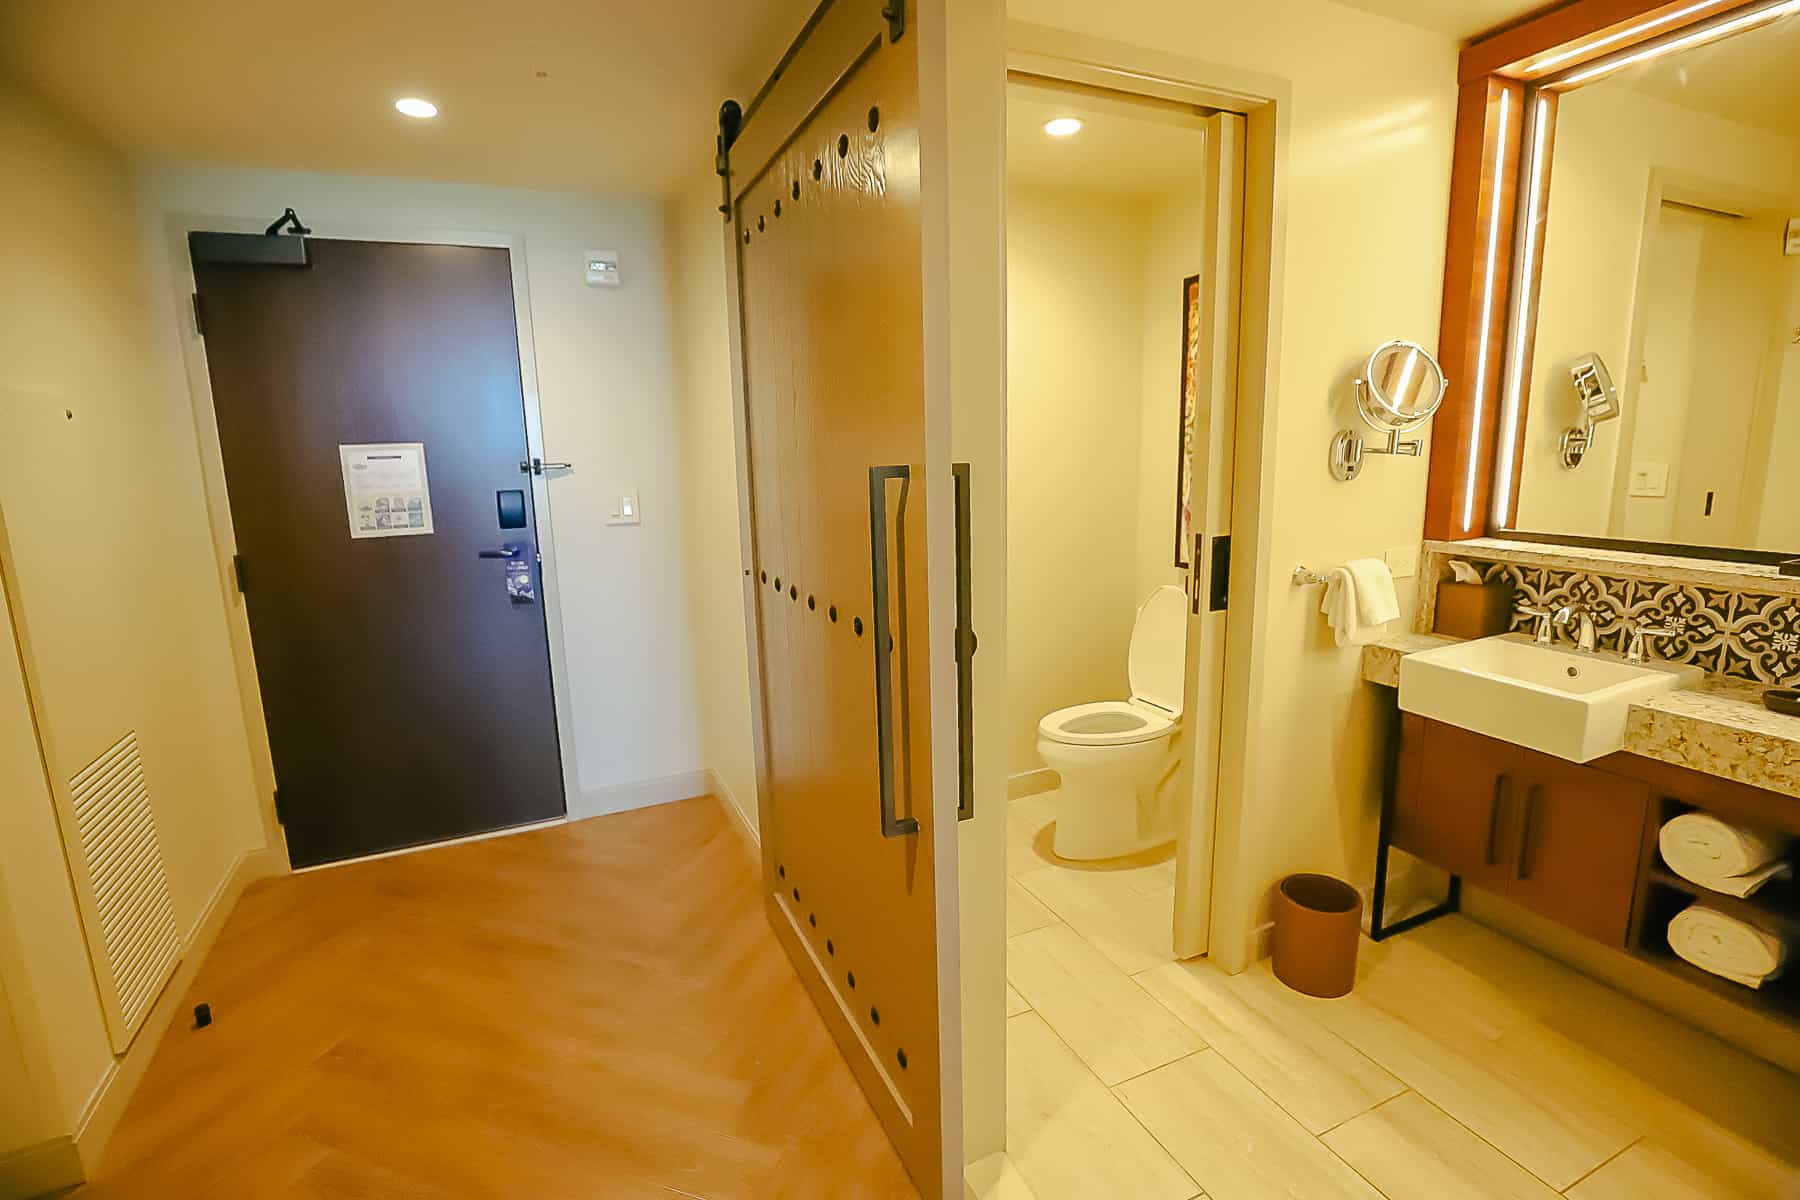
1304	576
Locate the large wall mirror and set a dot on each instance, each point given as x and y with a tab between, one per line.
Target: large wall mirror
1665	255
1630	198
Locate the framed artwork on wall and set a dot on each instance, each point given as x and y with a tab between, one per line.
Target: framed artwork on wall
1184	441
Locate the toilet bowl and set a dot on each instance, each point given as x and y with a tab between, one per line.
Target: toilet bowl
1117	758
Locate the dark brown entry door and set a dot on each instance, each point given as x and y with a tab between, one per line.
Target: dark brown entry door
407	692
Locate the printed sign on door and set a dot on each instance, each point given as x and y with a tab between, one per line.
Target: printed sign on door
385	489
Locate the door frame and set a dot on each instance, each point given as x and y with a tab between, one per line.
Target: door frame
1218	919
176	228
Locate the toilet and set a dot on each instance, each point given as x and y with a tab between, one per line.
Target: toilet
1117	758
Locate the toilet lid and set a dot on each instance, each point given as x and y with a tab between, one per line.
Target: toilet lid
1159	649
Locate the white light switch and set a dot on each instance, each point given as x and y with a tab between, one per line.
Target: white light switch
624	510
1649	481
1403	561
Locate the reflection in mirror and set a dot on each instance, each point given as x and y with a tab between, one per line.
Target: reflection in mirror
1599	401
1665	254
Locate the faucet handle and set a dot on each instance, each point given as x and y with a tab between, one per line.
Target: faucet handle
1634	651
1543	617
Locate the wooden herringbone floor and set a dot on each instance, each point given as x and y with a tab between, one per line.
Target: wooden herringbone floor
595	1010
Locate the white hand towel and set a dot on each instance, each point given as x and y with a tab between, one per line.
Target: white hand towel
1725	946
1360	601
1703	847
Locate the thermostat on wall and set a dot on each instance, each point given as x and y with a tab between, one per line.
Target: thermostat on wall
603	268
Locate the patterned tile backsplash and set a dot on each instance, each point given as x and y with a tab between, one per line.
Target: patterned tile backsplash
1742	634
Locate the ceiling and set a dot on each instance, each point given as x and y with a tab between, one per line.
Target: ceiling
1125	148
1752	78
609	96
1461	19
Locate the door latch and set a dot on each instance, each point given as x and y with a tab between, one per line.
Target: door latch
537	466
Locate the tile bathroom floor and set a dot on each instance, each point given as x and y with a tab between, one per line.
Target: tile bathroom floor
1463	1065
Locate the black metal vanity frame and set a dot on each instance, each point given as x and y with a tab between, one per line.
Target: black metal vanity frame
1390	789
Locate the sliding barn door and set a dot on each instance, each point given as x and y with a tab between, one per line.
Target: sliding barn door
826	241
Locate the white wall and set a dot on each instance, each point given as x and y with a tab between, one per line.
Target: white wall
113	616
1608	140
1361	195
1075	328
606	381
709	482
1666	384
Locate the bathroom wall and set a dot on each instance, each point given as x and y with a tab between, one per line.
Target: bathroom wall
1361	189
1608	140
1075	324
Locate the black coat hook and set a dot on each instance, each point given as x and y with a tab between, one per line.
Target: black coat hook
289	222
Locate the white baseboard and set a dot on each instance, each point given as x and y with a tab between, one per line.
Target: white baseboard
100	1116
715	783
623	797
41	1169
1030	783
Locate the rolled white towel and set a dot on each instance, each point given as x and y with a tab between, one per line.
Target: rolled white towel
1360	601
1725	946
1700	846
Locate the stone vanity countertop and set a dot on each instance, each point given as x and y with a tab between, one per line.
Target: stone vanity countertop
1718	728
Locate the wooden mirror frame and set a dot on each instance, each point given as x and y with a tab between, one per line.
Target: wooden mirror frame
1508	83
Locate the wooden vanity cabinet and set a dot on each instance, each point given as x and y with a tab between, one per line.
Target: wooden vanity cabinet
1561	838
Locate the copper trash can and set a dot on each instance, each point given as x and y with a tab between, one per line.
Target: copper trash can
1318	922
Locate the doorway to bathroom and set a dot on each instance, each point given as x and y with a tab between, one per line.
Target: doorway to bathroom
1124	244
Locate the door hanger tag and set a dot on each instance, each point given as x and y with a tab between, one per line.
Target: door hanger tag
519	587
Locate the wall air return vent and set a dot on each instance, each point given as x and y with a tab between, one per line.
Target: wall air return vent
116	860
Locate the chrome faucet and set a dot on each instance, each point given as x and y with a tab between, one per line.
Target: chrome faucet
1634	652
1541	627
1586	633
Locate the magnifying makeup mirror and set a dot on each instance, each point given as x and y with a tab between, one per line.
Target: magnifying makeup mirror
1399	390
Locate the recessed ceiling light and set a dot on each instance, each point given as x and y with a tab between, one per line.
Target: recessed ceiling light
412	106
1063	127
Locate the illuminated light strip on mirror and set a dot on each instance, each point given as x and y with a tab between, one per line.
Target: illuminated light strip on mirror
1705	33
1527	269
1487	315
1549	62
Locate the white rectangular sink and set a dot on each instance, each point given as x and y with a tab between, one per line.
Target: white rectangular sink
1548	698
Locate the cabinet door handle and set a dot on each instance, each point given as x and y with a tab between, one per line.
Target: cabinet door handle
1501	783
1525	825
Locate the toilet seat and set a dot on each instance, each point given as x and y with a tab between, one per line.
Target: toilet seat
1106	723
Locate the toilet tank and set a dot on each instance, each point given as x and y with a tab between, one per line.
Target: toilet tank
1158	659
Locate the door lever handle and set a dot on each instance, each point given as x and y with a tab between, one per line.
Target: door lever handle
537	466
502	552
